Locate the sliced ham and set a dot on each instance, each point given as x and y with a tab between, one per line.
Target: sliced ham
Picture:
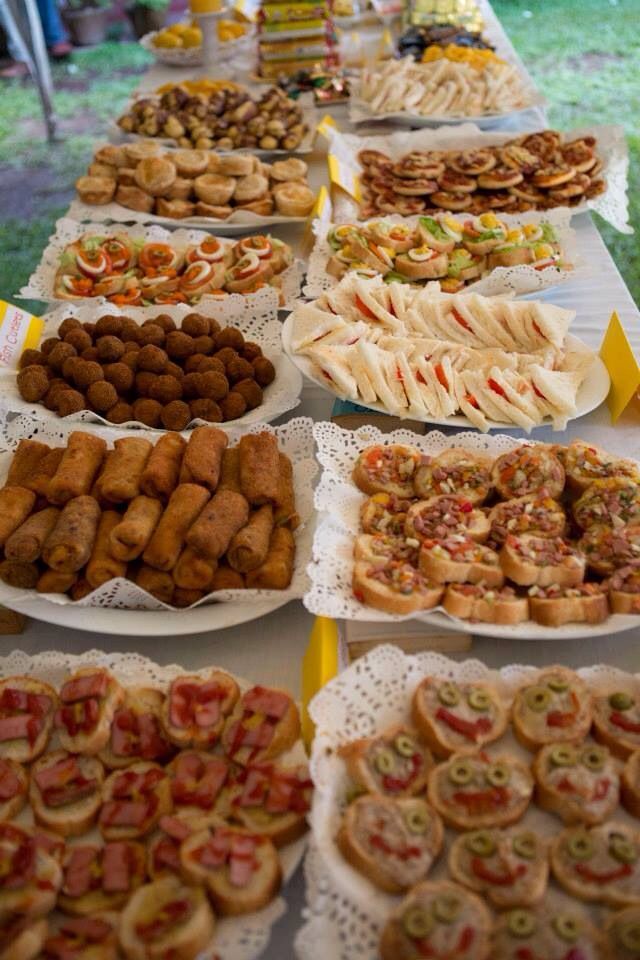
49	843
175	828
15	727
271	703
166	854
91	929
138	735
169	915
181	697
152	744
116	867
58	774
132	782
79	875
71	792
257	737
14	700
215	851
22	864
83	688
10	784
198	703
79	717
242	861
127	813
197	782
255	788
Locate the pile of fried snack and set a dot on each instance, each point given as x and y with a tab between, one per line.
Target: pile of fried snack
449	766
151	812
155	373
179	184
179	518
542	532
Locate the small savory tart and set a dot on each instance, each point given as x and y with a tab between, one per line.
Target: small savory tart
394	586
65	792
534	513
265	723
509	867
439	919
394	763
616	721
557	706
133	800
555	605
528	470
136	732
585	463
27	708
477	602
166	918
607	549
473	791
459	559
271	800
83	938
30	877
581	784
22	938
600	863
197	779
196	708
88	702
384	513
372	547
614	502
387	468
443	515
549	931
452	717
630	784
14	786
530	559
99	878
455	472
392	842
622	932
624	589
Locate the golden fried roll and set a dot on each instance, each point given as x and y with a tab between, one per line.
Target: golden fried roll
250	546
52	581
26	460
69	546
80	589
19	574
193	572
225	514
230	470
277	570
159	584
102	566
203	457
285	513
160	475
41	477
16	503
259	468
186	598
185	504
130	536
227	579
27	541
96	489
120	479
78	468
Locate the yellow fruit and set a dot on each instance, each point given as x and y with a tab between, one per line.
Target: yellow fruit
177	28
192	37
166	40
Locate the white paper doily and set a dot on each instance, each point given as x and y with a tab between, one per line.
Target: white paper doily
346	912
295	438
40	285
240	938
338	502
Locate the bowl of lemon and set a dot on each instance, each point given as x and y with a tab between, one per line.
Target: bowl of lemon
180	44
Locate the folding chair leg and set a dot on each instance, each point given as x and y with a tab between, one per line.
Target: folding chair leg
35	56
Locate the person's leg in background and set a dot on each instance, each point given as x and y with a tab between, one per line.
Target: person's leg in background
54	33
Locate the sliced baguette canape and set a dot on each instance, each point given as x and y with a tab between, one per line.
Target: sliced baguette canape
88	701
584	463
196	707
528	469
166	918
554	605
454	717
163	849
394	763
22	938
271	800
624	589
475	601
600	864
441	516
607	550
630	785
133	800
473	791
387	468
27	710
384	513
622	932
136	731
98	878
31	876
509	867
197	779
612	501
84	938
533	513
616	721
372	547
551	930
265	723
556	706
458	472
14	787
394	586
66	792
422	263
459	559
529	560
580	784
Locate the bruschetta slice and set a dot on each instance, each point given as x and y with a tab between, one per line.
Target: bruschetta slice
453	717
88	702
607	549
475	601
166	918
66	792
544	561
98	878
528	469
136	731
392	842
264	724
437	919
624	589
443	515
384	513
613	501
584	463
508	867
580	784
475	791
14	787
616	721
163	851
27	708
387	468
372	547
457	472
550	930
196	708
197	779
556	706
622	933
553	606
599	864
459	559
30	877
394	586
536	513
394	763
83	938
630	784
22	938
240	870
271	800
133	800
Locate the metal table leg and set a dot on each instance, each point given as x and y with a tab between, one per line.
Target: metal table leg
28	39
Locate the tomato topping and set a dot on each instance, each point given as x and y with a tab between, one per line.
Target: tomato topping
481	870
131	296
395	784
483	801
585	871
155	255
556	718
363	308
175	297
80	285
472	400
469	729
495	386
619	720
460	319
402	853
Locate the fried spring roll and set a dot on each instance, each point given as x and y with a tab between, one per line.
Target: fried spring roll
250	546
19	574
203	457
102	566
51	581
80	589
69	546
16	503
193	572
259	468
277	570
160	475
225	514
78	467
40	479
26	461
286	514
27	541
185	504
120	479
131	535
230	471
227	579
159	584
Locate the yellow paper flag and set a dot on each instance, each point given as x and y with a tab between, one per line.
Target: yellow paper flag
319	665
326	125
341	175
619	359
19	331
319	207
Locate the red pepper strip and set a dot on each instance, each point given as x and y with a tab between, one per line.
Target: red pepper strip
472	400
565	786
482	871
602	789
395	784
495	386
363	308
619	720
537	392
483	801
465	727
406	853
558	719
624	870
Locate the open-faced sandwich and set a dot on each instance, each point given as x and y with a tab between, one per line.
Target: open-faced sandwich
454	717
197	778
622	931
443	515
387	468
616	721
528	470
195	710
98	877
136	732
584	463
534	513
455	472
549	930
459	559
478	602
509	867
27	708
474	791
83	938
133	800
14	787
395	586
541	561
271	800
600	863
555	605
557	706
394	763
265	723
30	877
624	589
581	784
66	792
166	918
88	702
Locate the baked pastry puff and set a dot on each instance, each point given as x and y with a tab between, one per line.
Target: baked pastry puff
175	209
155	175
95	190
293	199
134	198
213	188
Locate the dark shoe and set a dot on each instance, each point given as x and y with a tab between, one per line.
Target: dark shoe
61	50
15	70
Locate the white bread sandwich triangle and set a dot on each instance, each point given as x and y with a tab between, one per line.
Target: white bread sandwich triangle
333	366
311	324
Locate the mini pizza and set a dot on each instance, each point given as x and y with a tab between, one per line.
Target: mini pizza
441	516
630	784
271	800
526	470
166	918
372	547
530	559
508	867
437	920
387	468
66	792
14	786
27	708
22	938
394	763
613	501
476	602
624	589
29	876
163	852
394	586
616	722
195	710
455	472
535	513
98	878
88	702
84	938
553	606
133	800
264	724
607	549
452	717
580	784
475	791
556	707
550	931
600	864
384	513
197	779
136	732
622	932
457	558
585	463
240	870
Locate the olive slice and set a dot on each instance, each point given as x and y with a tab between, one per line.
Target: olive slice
580	846
498	774
461	772
383	761
558	684
404	745
448	694
525	845
622	850
479	700
480	843
447	907
521	923
417	819
566	927
594	757
417	922
537	699
621	701
629	935
563	755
